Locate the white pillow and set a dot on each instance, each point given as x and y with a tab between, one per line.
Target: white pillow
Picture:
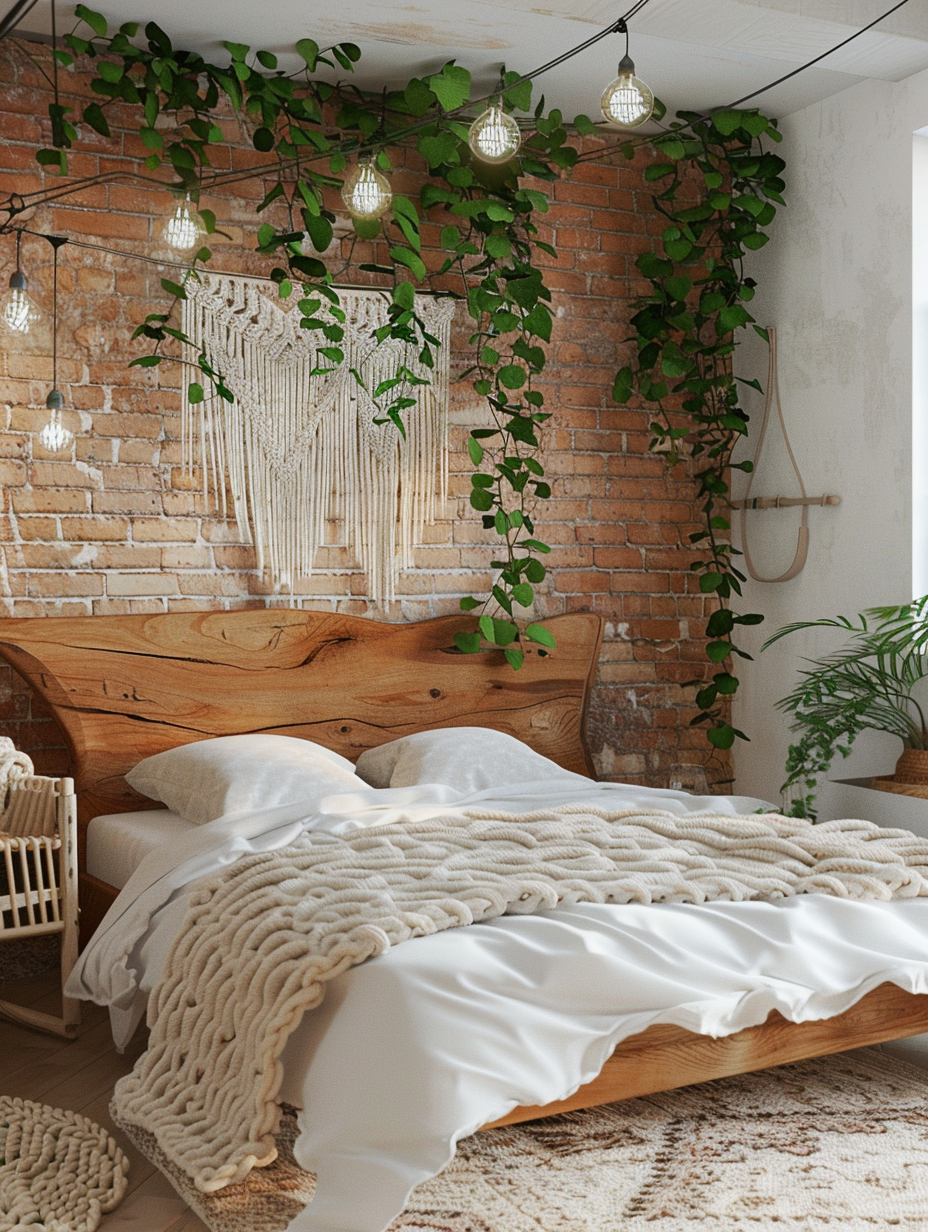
241	774
465	758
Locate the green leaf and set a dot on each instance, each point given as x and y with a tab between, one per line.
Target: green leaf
173	288
319	230
411	260
146	361
514	657
404	294
467	643
512	376
538	322
238	51
93	115
726	122
722	737
309	50
523	594
624	385
151	138
263	140
718	652
267	59
451	86
96	21
539	634
517	94
475	450
726	683
194	393
110	72
468	603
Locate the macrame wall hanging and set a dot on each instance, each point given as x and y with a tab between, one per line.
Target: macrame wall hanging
295	449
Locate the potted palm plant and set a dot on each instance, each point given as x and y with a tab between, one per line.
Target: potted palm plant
867	684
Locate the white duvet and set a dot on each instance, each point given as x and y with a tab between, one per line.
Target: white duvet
416	1049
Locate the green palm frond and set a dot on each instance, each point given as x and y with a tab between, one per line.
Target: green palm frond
866	685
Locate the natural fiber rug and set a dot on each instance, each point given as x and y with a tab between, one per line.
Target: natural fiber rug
58	1170
840	1142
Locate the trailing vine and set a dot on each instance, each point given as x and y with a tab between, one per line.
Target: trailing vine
718	187
310	128
715	184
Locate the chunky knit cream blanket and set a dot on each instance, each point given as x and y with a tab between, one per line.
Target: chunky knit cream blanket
265	935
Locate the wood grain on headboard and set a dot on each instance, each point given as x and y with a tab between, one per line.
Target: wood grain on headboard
124	687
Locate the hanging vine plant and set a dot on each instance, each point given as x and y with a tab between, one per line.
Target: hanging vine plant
310	128
685	336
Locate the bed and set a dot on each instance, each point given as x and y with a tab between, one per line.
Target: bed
125	687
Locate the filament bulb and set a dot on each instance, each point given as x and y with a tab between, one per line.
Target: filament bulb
17	311
55	436
494	137
184	229
627	102
367	194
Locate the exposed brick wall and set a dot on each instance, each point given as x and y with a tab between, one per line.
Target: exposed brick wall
115	527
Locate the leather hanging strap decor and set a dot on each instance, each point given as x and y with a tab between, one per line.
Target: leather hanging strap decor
802	544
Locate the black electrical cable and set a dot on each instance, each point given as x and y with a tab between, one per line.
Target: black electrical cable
21	9
831	50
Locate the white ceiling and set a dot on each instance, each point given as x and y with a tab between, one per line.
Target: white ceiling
695	54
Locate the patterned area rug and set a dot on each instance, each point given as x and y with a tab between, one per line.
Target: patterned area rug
840	1142
59	1170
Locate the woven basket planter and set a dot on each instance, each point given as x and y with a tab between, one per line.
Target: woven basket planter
910	777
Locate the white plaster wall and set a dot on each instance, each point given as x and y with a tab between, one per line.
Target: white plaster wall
836	281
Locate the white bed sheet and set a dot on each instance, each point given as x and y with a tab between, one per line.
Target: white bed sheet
117	843
419	1047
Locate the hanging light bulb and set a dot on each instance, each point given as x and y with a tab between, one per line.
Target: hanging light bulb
367	194
494	137
55	436
18	313
627	101
184	229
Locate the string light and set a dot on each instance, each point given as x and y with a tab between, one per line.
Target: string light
627	102
184	230
18	313
55	436
367	194
494	137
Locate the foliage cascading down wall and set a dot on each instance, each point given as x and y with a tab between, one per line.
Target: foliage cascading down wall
715	184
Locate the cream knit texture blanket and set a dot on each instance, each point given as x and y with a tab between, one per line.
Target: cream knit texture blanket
263	937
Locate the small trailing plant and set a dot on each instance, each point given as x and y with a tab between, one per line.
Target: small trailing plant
866	685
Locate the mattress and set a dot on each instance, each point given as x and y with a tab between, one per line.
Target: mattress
118	842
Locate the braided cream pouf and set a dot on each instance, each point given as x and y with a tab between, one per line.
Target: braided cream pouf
58	1170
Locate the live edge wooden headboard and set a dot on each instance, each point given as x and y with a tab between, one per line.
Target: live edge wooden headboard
125	687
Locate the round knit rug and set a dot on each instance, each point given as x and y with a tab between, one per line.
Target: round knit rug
58	1170
836	1143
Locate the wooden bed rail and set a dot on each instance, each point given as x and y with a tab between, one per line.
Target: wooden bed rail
665	1057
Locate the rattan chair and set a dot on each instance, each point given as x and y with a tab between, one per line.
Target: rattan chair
38	882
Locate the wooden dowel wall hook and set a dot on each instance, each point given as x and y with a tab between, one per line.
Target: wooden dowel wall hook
784	502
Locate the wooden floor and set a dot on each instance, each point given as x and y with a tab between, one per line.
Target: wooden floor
80	1075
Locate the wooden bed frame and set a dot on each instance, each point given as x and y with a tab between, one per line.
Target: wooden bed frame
125	687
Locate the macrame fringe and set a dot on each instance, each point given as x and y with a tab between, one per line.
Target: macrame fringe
295	450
